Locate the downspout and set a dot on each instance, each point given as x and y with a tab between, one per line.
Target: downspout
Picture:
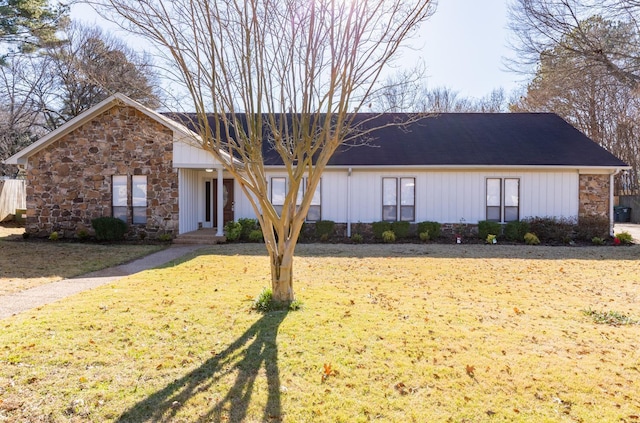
349	203
611	192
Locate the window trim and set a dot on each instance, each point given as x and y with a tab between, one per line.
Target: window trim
398	206
502	199
124	204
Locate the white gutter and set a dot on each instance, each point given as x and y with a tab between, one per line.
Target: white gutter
349	203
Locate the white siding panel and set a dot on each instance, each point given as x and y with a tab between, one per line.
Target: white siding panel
189	200
189	156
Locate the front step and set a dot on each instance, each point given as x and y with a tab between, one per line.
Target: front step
201	237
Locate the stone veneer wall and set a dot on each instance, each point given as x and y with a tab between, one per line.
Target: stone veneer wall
594	196
69	182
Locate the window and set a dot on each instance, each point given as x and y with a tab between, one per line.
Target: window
121	201
139	198
402	206
279	192
503	199
119	197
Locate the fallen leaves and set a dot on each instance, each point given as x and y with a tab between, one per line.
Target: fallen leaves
328	371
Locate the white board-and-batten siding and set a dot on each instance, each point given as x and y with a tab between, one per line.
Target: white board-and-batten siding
442	196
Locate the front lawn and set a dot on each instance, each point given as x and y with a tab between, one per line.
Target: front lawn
399	333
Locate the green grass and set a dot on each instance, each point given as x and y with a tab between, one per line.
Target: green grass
387	333
24	265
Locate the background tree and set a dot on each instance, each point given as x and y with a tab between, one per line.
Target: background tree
590	97
247	62
30	24
563	27
89	67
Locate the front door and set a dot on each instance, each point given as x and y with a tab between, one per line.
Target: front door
227	200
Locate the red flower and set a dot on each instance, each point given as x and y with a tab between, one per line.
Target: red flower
616	241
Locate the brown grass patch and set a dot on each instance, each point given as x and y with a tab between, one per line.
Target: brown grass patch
389	333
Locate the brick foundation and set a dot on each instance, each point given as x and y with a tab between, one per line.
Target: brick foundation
69	182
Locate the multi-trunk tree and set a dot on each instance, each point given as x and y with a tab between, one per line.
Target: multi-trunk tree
248	62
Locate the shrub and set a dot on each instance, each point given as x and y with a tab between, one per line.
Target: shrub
486	227
597	241
82	234
401	228
624	238
109	228
256	236
515	231
53	236
165	237
590	227
433	228
389	237
357	238
232	231
551	229
379	228
491	239
248	225
264	303
531	239
324	228
424	236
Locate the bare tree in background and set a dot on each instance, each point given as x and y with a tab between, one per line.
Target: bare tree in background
590	97
320	60
563	27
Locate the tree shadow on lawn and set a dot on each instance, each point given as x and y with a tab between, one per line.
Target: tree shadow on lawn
435	250
245	356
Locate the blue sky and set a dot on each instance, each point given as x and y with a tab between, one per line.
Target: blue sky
462	46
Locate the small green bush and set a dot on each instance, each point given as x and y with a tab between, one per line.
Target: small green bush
232	231
389	237
248	225
486	227
424	236
433	228
53	236
597	241
491	239
83	234
590	227
515	231
256	236
531	239
624	238
165	237
357	238
379	228
324	228
264	303
109	228
401	228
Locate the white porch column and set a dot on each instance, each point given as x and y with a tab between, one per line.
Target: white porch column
220	204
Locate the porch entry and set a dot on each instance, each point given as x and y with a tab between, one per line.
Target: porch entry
210	206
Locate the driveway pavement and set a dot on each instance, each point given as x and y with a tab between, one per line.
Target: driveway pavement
632	228
49	293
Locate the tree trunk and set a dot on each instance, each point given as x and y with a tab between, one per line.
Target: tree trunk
282	276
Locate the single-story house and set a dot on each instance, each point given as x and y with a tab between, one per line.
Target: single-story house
122	159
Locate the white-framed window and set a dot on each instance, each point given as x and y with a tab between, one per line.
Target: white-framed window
123	205
119	196
503	199
139	199
279	192
399	199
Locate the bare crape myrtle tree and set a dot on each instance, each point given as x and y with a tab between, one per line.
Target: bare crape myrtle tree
247	62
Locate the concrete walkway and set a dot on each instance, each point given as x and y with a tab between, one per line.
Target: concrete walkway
44	294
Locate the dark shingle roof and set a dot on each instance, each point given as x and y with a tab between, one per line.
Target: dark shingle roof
471	139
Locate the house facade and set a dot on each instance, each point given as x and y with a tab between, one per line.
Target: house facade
121	159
